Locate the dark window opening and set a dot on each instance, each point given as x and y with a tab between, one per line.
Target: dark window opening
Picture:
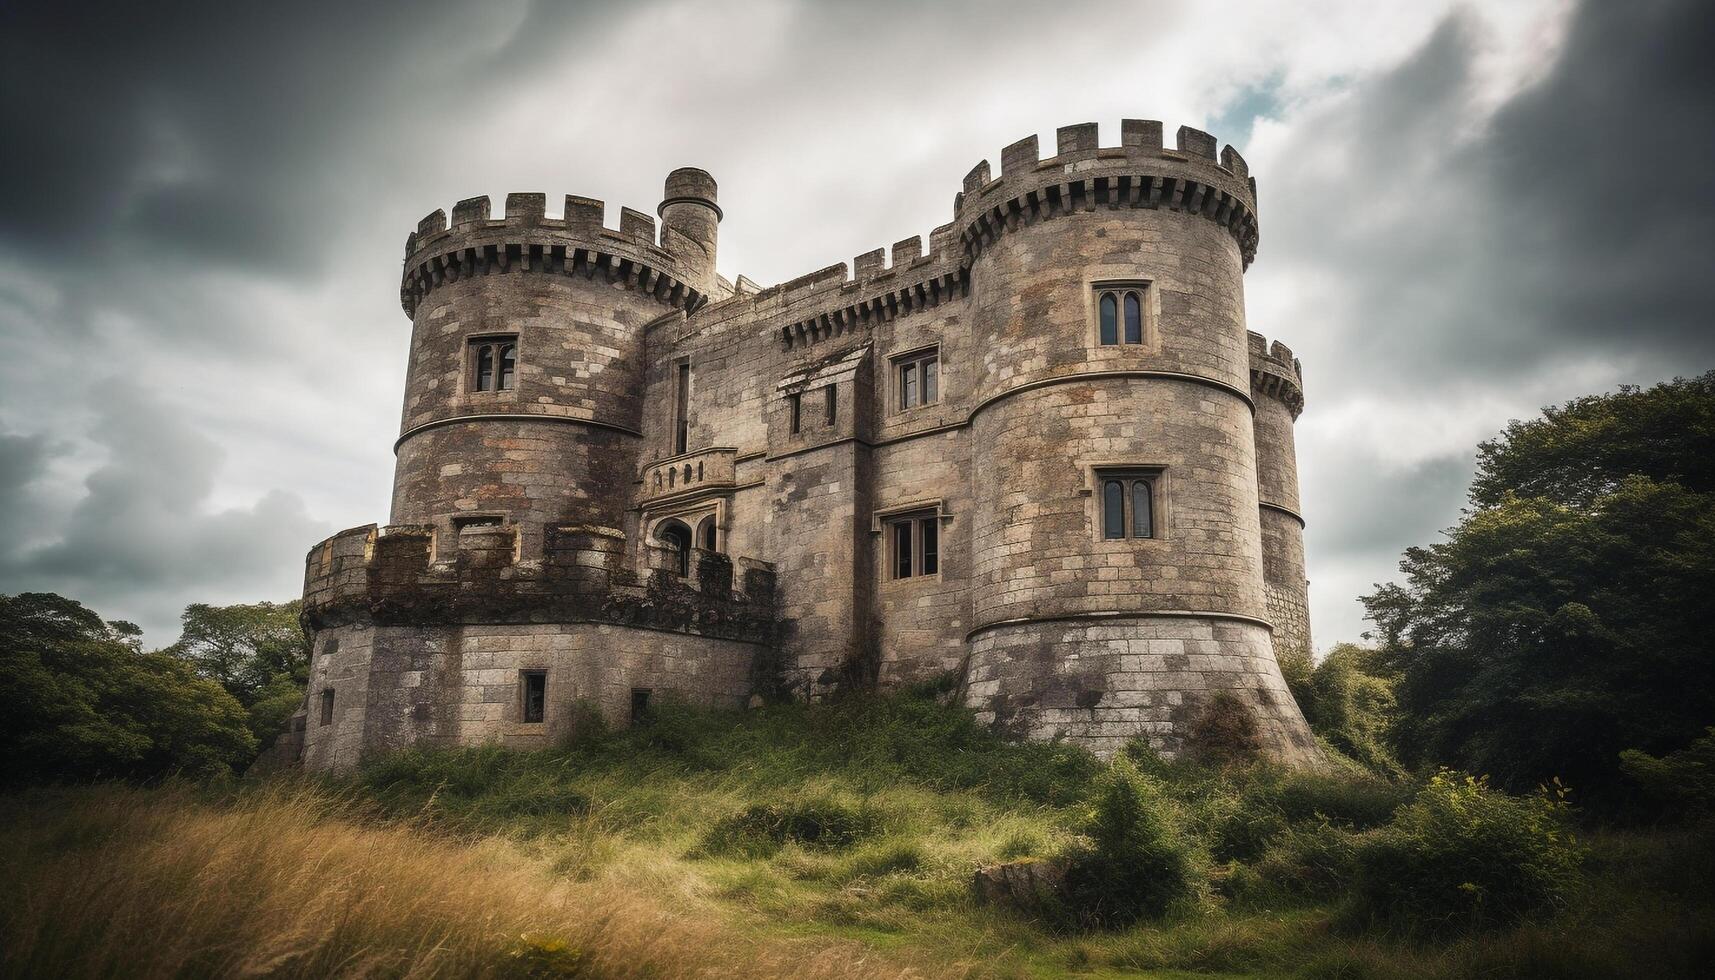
918	379
915	546
1120	317
494	364
706	531
797	401
678	538
682	409
831	404
1128	507
327	705
639	704
535	695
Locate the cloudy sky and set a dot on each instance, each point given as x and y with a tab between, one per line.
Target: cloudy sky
1468	212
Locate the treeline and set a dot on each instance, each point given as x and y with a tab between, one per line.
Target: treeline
87	702
1561	629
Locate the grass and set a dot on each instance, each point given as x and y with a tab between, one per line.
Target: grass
831	840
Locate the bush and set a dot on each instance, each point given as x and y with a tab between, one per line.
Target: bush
1348	702
1308	861
1277	799
483	788
1136	861
1679	784
1462	856
761	829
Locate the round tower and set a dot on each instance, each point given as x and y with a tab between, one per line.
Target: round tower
523	397
688	209
1278	389
1118	584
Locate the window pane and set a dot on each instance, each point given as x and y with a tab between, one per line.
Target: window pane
508	366
1113	510
831	393
931	545
1142	510
1110	314
931	373
797	412
907	385
1133	319
485	369
535	696
902	549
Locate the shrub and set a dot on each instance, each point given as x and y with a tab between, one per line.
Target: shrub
1308	861
1680	783
1276	799
1462	856
1136	862
1225	732
1348	701
761	829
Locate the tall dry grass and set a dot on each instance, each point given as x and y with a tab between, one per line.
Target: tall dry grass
288	882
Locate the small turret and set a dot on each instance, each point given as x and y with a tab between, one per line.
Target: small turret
690	222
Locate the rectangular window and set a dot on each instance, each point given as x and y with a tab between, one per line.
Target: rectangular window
1121	308
1128	505
535	693
639	703
797	406
327	706
831	406
682	408
915	545
917	377
493	363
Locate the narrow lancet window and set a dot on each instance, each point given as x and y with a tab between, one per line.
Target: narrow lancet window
508	367
485	368
1133	319
1142	510
1113	509
1110	320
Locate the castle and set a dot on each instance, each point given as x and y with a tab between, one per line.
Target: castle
1042	455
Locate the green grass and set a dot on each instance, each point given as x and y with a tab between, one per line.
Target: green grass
857	824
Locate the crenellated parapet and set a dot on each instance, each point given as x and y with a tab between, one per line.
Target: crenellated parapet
407	575
1276	373
527	241
1083	175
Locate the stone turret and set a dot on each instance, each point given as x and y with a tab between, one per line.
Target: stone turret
690	223
1277	386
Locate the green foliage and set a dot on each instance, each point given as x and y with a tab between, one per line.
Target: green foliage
540	957
1579	452
1462	857
1562	621
1681	783
1312	861
1271	801
1349	702
246	648
1135	862
486	789
763	828
83	702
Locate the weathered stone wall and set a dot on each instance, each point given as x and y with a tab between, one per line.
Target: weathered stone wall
1101	683
1277	388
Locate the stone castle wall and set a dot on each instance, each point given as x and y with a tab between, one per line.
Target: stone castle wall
537	524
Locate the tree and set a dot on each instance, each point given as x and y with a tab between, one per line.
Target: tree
1562	620
1348	699
244	647
85	702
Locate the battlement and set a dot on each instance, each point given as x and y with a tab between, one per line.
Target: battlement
526	239
1275	372
406	574
1083	175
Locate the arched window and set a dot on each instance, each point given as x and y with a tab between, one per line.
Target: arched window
1142	510
1110	318
676	536
1133	319
485	368
1113	509
508	367
706	532
1128	506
